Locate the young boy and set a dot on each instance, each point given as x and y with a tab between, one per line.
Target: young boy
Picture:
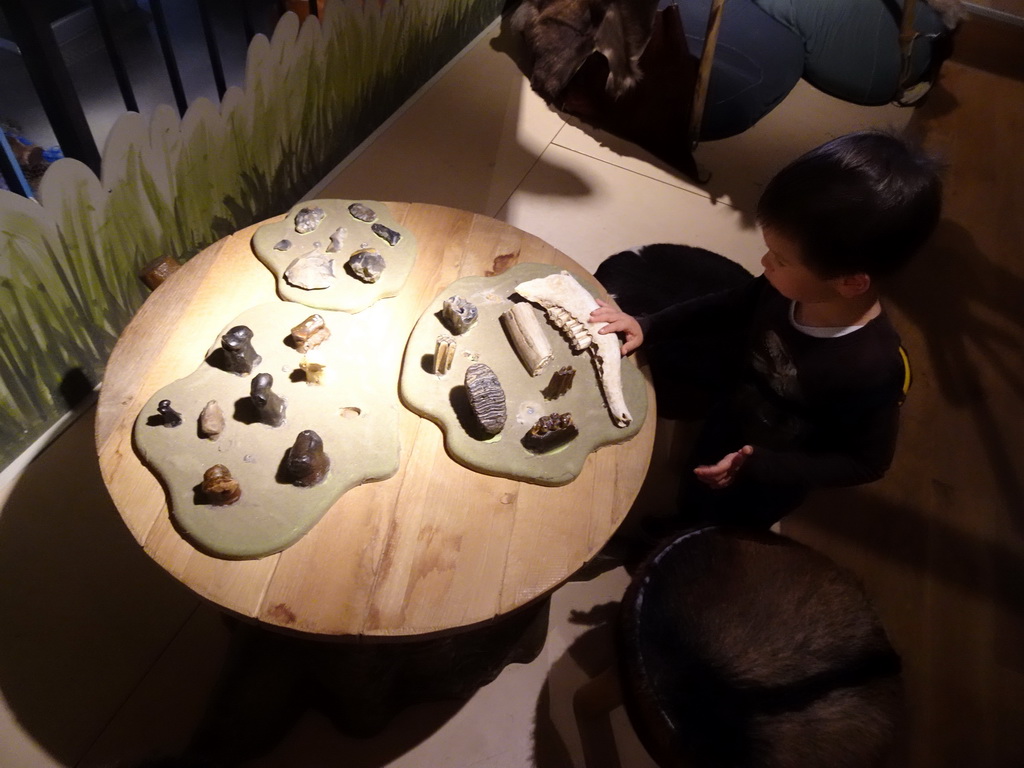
807	374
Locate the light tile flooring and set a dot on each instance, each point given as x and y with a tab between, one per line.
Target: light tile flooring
110	661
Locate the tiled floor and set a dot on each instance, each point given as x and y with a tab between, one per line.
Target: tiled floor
120	669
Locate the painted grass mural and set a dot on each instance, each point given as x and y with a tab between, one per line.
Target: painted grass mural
69	262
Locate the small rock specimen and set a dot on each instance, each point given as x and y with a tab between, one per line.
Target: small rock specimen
527	337
444	354
211	420
310	333
561	382
282	245
362	212
238	350
337	240
315	370
458	314
366	264
171	418
269	405
486	398
386	233
550	432
308	219
219	487
307	464
311	272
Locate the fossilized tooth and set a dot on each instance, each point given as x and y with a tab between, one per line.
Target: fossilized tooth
312	272
211	420
239	353
550	432
219	487
269	405
444	354
486	398
315	370
307	464
527	337
310	333
171	418
282	245
362	212
366	264
308	219
386	233
458	314
569	305
561	382
337	240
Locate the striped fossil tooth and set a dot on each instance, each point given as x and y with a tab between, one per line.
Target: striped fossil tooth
458	313
444	354
550	432
569	305
561	382
486	398
527	337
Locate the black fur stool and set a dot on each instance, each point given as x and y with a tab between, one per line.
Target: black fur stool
739	648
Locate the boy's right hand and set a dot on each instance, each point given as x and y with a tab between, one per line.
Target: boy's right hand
618	322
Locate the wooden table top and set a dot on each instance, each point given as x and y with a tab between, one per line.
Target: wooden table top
437	546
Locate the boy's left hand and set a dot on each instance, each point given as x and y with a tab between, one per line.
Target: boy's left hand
724	472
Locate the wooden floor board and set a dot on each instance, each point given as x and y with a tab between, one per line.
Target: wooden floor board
939	542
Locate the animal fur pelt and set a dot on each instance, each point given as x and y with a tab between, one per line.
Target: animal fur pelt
655	114
561	34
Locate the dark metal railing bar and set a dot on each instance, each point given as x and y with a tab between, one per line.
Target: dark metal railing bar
250	31
11	171
168	51
52	82
211	47
120	73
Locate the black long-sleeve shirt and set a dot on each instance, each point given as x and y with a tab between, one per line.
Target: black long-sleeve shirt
818	411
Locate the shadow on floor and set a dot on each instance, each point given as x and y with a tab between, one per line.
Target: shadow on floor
557	734
84	612
968	319
894	533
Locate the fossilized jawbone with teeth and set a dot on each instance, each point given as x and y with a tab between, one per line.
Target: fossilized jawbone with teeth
568	305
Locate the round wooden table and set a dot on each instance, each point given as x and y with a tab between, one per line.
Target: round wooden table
434	548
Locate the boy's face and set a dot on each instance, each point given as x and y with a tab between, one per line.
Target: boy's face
784	268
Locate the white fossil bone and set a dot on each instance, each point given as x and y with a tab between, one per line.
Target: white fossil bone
569	305
527	336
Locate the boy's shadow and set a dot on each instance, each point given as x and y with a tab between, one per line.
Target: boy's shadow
967	313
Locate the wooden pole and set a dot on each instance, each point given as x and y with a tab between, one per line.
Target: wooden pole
700	91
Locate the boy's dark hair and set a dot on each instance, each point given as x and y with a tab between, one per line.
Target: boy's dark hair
864	202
